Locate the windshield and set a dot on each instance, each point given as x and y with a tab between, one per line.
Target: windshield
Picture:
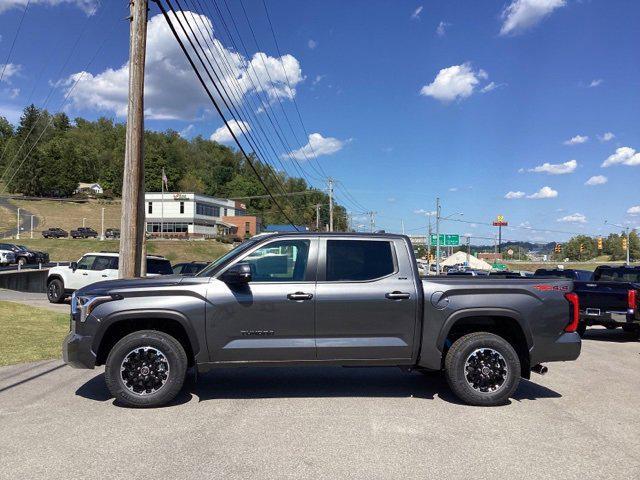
213	267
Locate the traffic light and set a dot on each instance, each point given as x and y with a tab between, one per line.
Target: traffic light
599	243
558	248
582	248
624	243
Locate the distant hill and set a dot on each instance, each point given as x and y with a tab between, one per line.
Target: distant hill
543	248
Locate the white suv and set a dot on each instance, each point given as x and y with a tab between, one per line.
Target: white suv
94	267
7	257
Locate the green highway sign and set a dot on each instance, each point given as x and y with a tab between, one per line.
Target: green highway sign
446	240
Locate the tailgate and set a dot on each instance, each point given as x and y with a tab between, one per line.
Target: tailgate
606	296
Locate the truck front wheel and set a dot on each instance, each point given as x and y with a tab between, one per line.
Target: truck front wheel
146	368
482	369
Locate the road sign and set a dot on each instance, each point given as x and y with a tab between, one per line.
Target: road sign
446	240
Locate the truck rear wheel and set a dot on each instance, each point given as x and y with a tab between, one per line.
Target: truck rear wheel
482	369
146	368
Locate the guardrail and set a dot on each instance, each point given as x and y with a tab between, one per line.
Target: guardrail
25	280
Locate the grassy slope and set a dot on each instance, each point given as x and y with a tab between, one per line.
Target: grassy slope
175	250
69	215
28	334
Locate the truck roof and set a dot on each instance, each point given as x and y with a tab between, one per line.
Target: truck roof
334	234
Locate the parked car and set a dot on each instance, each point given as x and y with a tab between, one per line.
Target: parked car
188	268
321	299
7	257
55	232
112	233
574	274
84	232
94	267
25	255
610	298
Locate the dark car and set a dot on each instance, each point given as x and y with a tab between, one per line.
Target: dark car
188	268
55	232
321	299
84	232
112	233
25	255
571	273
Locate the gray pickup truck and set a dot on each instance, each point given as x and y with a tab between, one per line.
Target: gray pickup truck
321	298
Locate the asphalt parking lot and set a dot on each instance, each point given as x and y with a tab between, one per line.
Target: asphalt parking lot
579	421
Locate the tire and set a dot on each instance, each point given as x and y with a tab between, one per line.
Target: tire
477	349
582	328
132	353
55	291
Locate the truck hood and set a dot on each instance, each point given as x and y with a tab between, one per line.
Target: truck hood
109	286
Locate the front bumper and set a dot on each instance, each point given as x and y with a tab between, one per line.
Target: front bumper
77	352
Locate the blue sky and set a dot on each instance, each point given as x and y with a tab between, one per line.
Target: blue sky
470	101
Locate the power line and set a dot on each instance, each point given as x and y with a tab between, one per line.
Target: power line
213	100
15	37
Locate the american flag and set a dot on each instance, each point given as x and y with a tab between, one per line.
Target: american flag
164	180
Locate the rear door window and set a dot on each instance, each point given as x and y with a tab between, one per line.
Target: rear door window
158	266
359	260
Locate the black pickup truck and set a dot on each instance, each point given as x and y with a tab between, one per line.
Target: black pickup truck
610	298
321	299
84	232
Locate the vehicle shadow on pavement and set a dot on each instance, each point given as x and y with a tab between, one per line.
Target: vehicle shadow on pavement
605	335
314	382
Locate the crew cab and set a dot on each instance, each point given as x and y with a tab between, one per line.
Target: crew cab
84	232
55	232
610	298
342	299
93	267
24	255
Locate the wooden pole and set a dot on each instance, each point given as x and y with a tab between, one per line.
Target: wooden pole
132	223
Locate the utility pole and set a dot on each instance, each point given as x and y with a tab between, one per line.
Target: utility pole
318	205
372	221
83	222
402	224
18	226
132	222
429	243
330	180
438	236
468	249
102	224
31	226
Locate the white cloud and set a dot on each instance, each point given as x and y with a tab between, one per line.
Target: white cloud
318	79
453	189
576	140
623	156
597	180
87	6
441	29
167	70
544	192
317	145
222	134
521	15
595	83
514	195
635	210
455	82
574	218
491	86
422	211
607	136
312	44
10	70
187	131
416	13
556	168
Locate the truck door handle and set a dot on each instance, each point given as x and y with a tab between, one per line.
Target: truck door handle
397	295
300	296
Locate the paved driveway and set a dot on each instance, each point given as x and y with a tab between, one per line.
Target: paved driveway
581	421
34	300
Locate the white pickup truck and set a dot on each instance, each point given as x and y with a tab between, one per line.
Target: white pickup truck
94	267
7	257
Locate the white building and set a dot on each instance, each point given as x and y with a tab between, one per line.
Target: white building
189	213
94	188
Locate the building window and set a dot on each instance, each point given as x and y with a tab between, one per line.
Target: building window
225	212
207	210
150	208
181	207
247	228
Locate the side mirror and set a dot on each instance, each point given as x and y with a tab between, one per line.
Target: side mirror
73	266
238	274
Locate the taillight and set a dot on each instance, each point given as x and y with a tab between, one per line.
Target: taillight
631	299
574	309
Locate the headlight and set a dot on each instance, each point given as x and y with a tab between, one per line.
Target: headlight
87	303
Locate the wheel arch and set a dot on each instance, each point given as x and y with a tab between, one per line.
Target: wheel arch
119	325
503	322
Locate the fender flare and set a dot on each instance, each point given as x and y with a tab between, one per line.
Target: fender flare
160	314
483	312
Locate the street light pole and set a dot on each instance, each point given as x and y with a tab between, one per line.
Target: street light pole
438	236
330	180
18	226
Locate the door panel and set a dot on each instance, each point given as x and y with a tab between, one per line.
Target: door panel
366	319
272	318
